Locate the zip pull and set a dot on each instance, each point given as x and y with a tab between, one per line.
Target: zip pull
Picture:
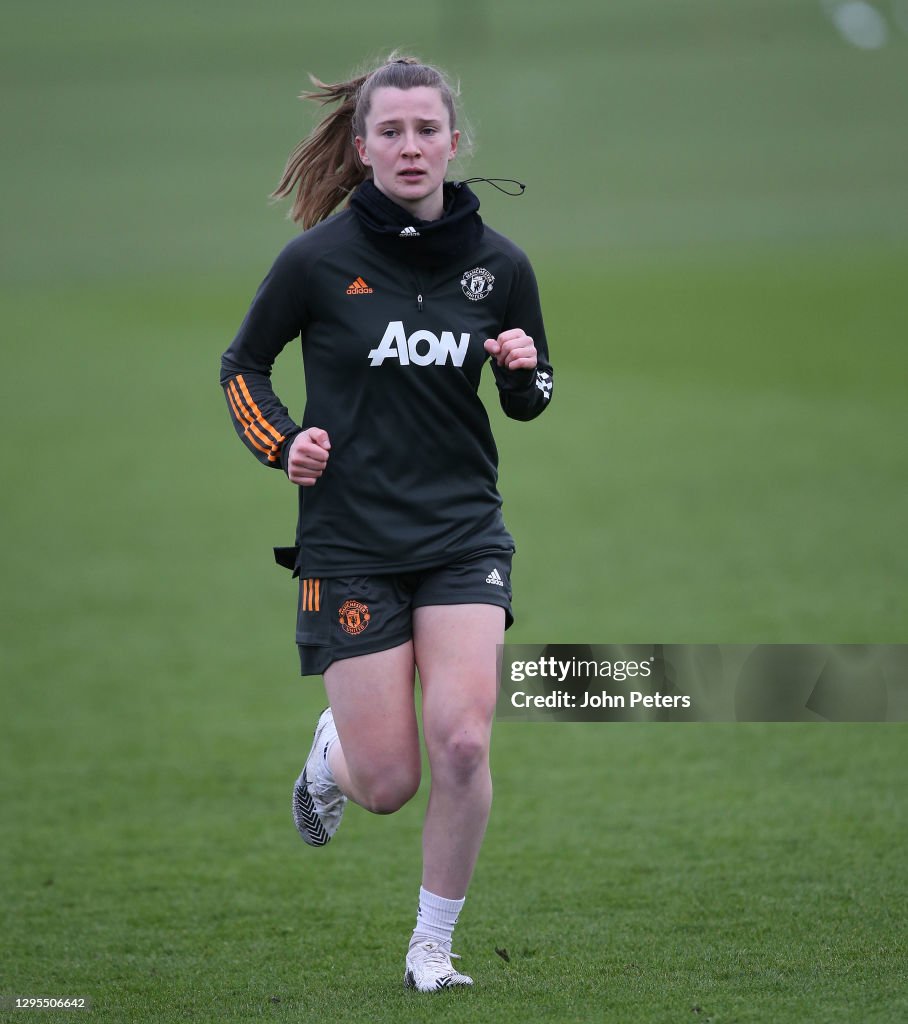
419	303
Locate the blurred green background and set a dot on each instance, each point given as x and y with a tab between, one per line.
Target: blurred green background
717	212
717	209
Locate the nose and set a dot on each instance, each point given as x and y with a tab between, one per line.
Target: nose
412	144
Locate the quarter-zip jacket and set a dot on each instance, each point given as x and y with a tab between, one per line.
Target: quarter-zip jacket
392	352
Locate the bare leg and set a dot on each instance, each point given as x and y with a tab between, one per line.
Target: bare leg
455	648
376	762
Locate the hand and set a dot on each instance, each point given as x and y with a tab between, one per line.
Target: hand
513	350
308	456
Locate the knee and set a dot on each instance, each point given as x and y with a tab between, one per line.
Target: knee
461	754
388	791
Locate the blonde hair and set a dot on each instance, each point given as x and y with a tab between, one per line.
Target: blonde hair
325	168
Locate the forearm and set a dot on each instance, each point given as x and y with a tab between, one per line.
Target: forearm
260	419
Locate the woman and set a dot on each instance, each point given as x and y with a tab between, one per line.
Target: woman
403	556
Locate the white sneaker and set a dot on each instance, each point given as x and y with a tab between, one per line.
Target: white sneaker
318	805
429	968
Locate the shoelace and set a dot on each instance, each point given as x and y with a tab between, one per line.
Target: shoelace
437	956
329	799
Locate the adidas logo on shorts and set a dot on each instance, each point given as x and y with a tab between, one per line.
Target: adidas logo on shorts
494	578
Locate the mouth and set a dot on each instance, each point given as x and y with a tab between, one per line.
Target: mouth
411	174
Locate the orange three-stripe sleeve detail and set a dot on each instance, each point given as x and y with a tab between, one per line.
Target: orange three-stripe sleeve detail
276	434
243	418
248	413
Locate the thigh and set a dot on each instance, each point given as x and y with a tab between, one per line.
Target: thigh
456	652
371	697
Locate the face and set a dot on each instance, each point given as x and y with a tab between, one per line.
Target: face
408	145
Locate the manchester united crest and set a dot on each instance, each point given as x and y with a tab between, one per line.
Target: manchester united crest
477	283
353	617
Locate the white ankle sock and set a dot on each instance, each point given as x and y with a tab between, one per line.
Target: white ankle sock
435	918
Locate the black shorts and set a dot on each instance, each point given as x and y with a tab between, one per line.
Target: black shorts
345	616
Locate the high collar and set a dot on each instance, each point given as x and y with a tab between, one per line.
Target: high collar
414	241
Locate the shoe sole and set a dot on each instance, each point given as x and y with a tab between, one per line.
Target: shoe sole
440	985
307	821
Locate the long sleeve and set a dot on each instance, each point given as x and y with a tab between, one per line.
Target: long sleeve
524	394
275	317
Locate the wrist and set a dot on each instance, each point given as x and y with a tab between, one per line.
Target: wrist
286	446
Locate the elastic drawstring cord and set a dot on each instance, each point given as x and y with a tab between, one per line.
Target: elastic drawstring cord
492	182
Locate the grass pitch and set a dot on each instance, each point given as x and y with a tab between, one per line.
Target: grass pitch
636	873
722	261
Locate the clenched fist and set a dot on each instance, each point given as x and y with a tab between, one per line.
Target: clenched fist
308	456
513	349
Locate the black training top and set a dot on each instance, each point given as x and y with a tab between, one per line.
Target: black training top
393	313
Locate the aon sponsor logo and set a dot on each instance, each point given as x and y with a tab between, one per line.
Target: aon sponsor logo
422	348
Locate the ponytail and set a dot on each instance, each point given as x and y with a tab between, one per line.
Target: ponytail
325	167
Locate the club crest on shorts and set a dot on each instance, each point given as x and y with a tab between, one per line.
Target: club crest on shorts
477	283
353	617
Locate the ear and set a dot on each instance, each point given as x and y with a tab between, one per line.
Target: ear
454	137
360	144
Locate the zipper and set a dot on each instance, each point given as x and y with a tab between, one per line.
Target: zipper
417	280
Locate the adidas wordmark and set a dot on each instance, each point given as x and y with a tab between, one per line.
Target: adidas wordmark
495	578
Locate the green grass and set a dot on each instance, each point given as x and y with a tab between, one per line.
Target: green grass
654	882
717	215
154	720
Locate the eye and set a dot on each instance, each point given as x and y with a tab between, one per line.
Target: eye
388	133
429	130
